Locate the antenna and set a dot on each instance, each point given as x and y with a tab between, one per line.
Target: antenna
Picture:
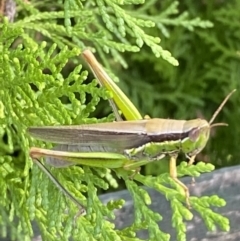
219	109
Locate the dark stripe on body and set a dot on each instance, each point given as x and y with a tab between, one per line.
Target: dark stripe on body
170	136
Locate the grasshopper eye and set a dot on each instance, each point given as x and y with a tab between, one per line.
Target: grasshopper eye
194	134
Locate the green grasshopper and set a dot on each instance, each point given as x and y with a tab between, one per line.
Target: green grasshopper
123	144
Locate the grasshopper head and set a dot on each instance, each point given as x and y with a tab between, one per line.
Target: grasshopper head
196	134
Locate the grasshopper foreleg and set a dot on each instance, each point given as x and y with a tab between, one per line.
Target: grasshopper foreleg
191	161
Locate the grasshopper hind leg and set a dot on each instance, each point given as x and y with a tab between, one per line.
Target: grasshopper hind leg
173	175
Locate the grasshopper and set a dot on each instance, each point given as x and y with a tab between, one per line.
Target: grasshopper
123	144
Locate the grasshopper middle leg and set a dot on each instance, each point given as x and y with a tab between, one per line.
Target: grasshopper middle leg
173	175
